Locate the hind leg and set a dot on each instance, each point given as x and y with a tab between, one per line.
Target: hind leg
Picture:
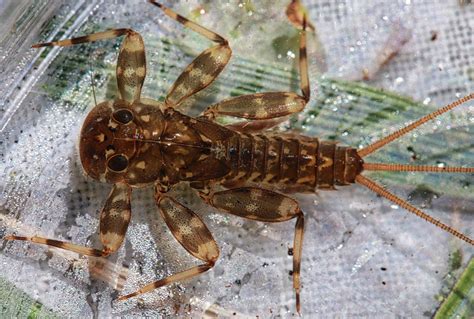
267	206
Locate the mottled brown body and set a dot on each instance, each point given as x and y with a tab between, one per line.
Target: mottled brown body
241	169
288	161
169	147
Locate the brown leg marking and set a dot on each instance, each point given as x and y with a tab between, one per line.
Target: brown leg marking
191	232
131	64
199	74
258	106
297	14
169	280
268	206
269	105
250	127
297	252
131	67
204	69
109	34
114	220
187	23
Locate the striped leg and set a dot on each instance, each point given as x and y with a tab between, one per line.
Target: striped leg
114	220
297	14
204	69
250	127
268	206
192	234
131	63
269	105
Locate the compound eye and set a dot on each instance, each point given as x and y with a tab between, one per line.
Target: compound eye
123	116
118	163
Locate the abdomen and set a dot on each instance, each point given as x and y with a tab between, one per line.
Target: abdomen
287	161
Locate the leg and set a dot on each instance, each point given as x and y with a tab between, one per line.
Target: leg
297	13
131	64
114	219
264	106
204	69
250	127
191	232
268	206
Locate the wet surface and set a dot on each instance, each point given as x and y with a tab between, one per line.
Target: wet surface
362	256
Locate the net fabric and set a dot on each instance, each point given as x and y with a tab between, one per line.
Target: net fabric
361	256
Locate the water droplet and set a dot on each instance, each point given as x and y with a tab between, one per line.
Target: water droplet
399	80
441	164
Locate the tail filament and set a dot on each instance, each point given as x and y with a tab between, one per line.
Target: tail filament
400	202
415	168
373	186
389	138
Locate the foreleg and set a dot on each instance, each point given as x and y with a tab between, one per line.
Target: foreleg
114	220
131	62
